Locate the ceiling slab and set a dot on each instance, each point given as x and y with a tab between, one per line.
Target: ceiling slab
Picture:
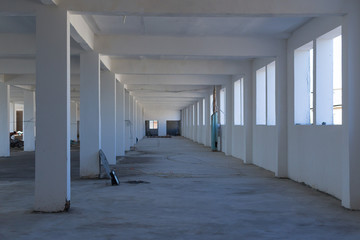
207	8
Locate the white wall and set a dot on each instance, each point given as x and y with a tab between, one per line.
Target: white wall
238	137
162	115
264	137
314	152
315	155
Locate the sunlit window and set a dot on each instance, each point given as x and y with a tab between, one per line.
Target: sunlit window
153	124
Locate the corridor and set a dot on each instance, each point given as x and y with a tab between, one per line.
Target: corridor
188	192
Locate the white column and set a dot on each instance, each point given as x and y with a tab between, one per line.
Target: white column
131	118
77	121
249	106
13	116
90	131
229	117
189	122
73	121
139	121
108	115
135	120
120	119
52	158
4	120
207	121
12	119
142	122
195	122
281	114
29	121
127	121
201	120
351	111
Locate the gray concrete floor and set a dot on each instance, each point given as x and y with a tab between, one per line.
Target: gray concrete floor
192	193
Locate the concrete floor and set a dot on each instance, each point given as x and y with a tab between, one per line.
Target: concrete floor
192	193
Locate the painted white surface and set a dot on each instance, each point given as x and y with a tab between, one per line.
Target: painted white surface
127	121
238	142
173	67
264	147
191	46
73	121
4	120
131	119
315	153
120	119
11	116
162	115
351	116
108	115
90	115
229	116
264	144
29	121
52	158
200	127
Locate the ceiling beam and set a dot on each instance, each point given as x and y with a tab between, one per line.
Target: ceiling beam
30	79
144	94
207	47
175	79
28	66
175	67
13	45
207	7
81	32
166	88
49	2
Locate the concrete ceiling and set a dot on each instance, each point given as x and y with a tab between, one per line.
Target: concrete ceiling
162	90
277	27
167	60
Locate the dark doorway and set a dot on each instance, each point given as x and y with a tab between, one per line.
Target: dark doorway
173	128
19	121
151	128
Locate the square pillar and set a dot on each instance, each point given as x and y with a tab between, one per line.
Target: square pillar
131	118
195	126
73	121
351	111
90	131
52	158
4	120
12	116
120	119
281	114
108	115
127	121
229	117
29	121
135	120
